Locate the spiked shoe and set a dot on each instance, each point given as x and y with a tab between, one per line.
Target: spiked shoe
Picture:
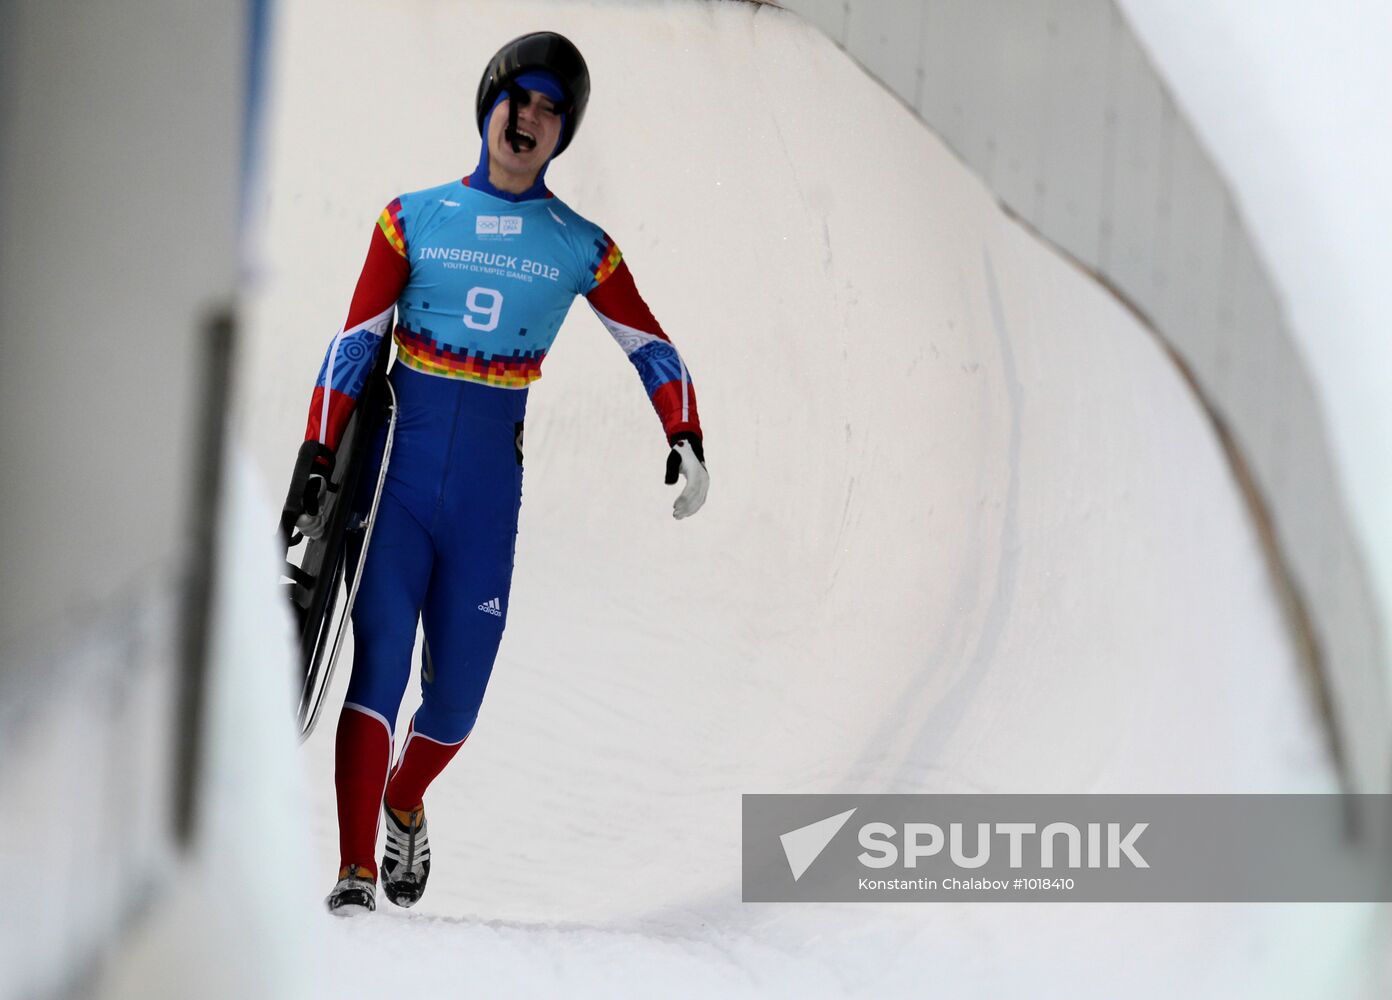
354	893
406	860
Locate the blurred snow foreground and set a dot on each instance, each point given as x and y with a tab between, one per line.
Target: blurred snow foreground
968	531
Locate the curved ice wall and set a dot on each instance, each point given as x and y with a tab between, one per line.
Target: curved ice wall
1057	107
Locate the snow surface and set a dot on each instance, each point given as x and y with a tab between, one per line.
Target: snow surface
968	531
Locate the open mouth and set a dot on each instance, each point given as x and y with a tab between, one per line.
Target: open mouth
521	140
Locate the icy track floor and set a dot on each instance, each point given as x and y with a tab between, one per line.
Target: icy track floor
968	531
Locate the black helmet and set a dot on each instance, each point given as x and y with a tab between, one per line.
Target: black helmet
543	50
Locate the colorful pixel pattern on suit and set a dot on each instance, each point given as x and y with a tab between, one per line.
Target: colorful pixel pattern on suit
480	287
420	351
389	222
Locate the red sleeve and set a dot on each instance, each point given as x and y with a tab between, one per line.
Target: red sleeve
628	319
349	358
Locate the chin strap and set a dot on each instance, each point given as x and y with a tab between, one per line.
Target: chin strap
516	98
511	131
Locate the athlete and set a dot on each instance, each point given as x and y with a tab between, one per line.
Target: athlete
479	272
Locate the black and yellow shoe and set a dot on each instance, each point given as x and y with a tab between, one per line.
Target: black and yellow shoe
406	860
354	893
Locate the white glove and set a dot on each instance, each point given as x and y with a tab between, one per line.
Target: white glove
313	522
688	458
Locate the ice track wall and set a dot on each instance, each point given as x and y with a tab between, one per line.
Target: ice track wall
120	247
1057	107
